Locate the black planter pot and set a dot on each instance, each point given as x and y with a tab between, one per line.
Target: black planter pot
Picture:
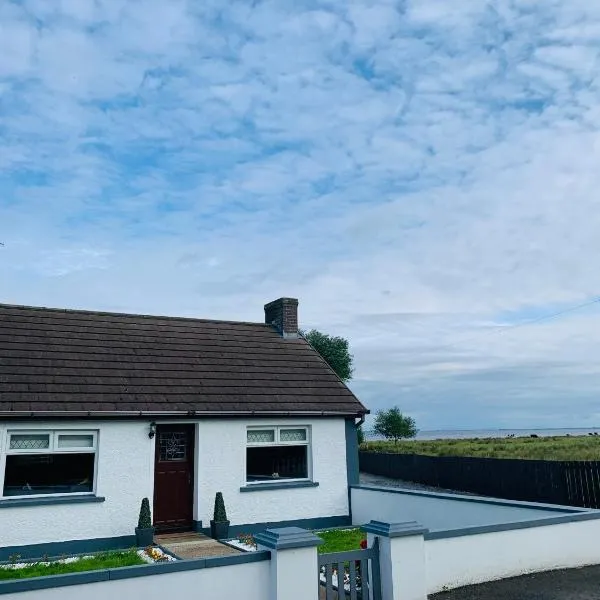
144	536
219	530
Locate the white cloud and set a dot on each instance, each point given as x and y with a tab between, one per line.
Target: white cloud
416	174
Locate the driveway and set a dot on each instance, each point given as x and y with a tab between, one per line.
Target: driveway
571	584
369	479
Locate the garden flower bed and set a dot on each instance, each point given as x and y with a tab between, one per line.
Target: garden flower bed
336	540
77	564
244	541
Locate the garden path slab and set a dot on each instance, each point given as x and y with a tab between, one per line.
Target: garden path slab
193	545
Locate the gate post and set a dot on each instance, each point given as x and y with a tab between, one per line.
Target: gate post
401	559
294	562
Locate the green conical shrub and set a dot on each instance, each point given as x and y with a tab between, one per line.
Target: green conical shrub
145	520
220	514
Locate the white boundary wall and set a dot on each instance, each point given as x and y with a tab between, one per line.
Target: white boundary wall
470	540
458	561
249	581
445	512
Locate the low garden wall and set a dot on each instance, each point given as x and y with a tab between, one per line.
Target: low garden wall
453	562
213	578
443	512
468	540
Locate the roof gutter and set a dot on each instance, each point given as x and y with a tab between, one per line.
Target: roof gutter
174	413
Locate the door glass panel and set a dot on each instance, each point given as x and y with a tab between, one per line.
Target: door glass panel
172	446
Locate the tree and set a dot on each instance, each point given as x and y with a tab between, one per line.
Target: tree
360	434
393	425
334	351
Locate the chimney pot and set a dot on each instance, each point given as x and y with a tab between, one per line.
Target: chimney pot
283	315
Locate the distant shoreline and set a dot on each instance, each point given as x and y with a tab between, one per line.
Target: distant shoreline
463	434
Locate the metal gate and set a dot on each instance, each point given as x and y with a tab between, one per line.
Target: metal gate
360	579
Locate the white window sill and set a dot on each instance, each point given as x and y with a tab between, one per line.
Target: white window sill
277	485
48	500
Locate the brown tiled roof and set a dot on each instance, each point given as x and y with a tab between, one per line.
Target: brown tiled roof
80	363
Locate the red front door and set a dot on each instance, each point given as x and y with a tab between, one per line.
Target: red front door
174	477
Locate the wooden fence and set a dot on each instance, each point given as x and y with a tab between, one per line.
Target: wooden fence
573	483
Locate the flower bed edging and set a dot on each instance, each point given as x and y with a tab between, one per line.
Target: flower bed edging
240	545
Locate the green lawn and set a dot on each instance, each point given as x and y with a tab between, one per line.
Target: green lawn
105	560
340	540
543	448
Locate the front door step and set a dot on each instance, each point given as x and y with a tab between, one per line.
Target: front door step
193	545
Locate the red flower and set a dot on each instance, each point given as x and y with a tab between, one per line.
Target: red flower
363	544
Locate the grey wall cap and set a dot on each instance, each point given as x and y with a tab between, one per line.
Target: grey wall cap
287	537
393	530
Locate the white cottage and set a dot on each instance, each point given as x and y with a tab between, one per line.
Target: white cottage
98	410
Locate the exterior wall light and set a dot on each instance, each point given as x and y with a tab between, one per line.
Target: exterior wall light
152	431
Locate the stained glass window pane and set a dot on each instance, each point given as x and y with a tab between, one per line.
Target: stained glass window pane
76	441
172	446
292	435
30	441
261	436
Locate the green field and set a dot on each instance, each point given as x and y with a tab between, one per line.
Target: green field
548	448
107	560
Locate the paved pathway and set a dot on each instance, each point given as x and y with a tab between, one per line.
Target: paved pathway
572	584
193	545
369	479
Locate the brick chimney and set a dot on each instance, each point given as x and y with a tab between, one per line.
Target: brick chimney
283	315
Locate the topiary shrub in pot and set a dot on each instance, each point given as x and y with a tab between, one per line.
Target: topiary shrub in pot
144	532
219	525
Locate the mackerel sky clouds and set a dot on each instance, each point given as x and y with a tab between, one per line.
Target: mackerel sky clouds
418	174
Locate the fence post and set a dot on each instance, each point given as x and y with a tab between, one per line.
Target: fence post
401	559
294	562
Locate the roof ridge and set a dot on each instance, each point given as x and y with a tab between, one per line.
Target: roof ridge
86	312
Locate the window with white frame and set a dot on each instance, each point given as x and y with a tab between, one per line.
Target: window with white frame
275	453
49	462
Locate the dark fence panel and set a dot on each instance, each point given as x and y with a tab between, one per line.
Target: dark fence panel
553	482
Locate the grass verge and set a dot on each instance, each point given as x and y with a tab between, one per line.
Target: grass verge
340	540
542	448
106	560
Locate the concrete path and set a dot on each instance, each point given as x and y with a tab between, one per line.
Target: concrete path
571	584
193	545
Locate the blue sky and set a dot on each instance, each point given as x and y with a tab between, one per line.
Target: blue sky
416	173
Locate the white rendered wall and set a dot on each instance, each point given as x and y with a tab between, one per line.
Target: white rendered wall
249	581
442	512
125	474
470	559
221	466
